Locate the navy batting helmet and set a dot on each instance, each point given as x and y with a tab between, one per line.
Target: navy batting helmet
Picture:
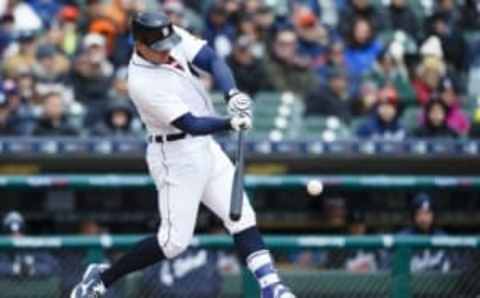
155	30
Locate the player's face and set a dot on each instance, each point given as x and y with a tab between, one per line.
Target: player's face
424	219
152	55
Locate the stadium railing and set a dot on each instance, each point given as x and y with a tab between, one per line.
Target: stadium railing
84	181
396	282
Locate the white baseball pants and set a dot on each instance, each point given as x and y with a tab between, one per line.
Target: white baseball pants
187	172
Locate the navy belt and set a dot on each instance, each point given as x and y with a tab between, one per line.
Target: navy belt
167	138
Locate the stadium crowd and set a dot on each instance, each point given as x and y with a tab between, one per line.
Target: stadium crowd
371	64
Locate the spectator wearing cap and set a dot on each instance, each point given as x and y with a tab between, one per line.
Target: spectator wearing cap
54	120
246	68
287	70
19	119
92	74
24	57
51	66
362	49
423	219
24	263
183	16
219	32
117	120
401	17
383	123
65	34
435	124
313	37
333	99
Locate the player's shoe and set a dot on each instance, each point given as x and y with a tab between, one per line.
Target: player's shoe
277	291
91	285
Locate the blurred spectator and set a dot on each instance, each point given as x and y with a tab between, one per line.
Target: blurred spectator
401	17
366	99
51	66
360	9
287	70
7	34
54	119
108	29
313	37
331	100
119	88
219	32
435	125
423	217
24	56
428	78
117	120
92	74
383	122
7	126
24	263
457	120
362	48
183	16
453	43
264	19
391	70
246	68
470	12
64	33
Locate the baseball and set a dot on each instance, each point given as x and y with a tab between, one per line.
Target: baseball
314	187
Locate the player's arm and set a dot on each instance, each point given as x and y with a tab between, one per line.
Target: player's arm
198	126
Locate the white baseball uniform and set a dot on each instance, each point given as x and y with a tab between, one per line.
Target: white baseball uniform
186	171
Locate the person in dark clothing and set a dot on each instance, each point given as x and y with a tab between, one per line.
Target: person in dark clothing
471	15
249	71
117	121
54	121
383	122
361	9
401	17
24	263
435	126
423	217
454	45
333	100
6	119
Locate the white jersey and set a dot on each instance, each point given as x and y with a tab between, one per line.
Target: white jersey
163	92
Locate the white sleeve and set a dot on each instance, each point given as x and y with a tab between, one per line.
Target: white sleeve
190	44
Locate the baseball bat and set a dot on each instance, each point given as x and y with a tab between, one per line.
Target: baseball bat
236	198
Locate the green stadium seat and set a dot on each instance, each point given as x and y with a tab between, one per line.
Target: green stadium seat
30	288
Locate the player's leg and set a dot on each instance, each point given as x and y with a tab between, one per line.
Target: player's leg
247	238
179	186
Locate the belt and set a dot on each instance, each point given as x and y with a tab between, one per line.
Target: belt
167	138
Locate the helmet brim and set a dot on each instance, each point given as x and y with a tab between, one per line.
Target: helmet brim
167	43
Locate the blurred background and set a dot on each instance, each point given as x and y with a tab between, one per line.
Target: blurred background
378	100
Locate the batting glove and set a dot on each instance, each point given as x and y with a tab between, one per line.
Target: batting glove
241	123
239	103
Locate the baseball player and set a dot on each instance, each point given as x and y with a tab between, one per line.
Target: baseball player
187	165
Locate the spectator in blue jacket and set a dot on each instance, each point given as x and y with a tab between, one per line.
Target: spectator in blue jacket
362	48
383	122
219	32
